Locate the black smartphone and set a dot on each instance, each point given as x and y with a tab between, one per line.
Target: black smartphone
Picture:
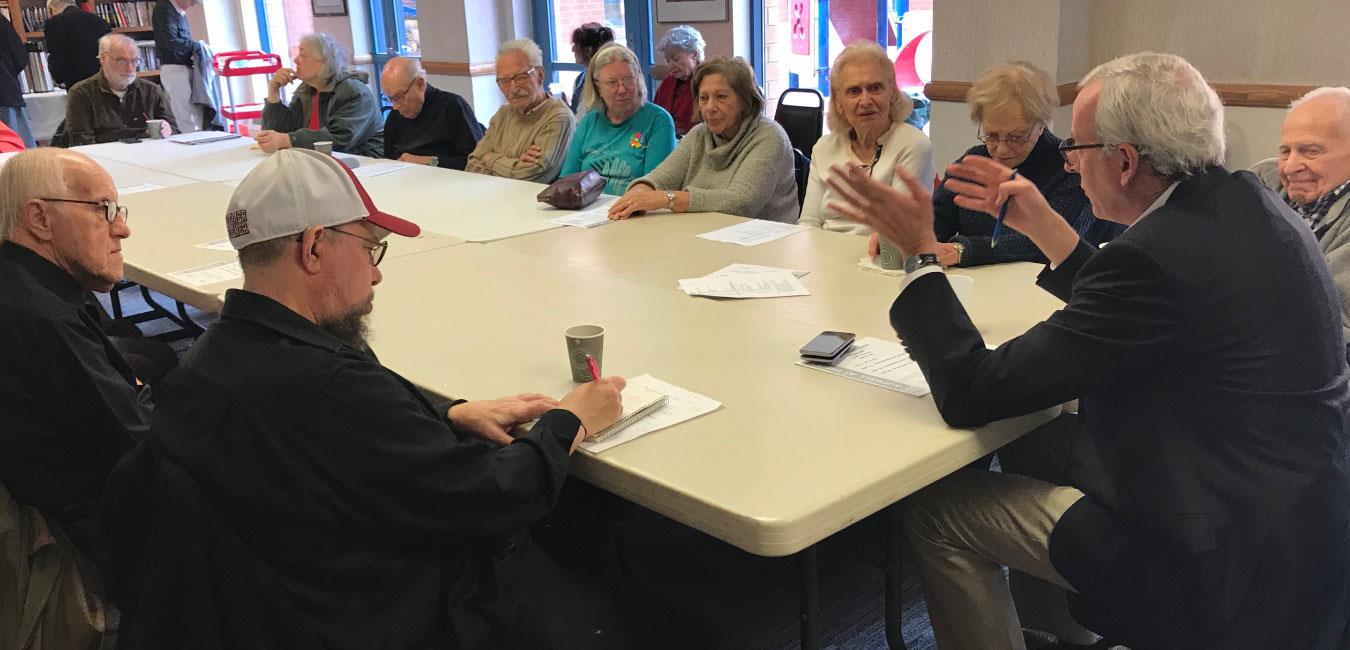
131	140
827	345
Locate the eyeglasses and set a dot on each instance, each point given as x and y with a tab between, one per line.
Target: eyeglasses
629	82
517	79
135	63
399	97
111	211
1012	139
376	248
1068	144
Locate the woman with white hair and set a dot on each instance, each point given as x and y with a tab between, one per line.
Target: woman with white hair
621	136
332	104
682	48
868	133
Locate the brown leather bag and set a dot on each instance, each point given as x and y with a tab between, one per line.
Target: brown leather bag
574	191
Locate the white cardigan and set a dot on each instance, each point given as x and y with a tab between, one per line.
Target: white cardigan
902	145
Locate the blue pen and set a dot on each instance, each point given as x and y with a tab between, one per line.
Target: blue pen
1002	212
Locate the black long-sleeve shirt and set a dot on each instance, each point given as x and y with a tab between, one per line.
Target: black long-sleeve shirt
69	404
173	35
378	517
72	45
445	128
13	59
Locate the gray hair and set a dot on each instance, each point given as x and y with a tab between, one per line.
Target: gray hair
1162	105
107	41
331	52
861	52
30	174
57	6
682	38
1338	92
525	46
1015	83
610	53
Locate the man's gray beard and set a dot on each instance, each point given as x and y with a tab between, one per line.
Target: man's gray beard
350	328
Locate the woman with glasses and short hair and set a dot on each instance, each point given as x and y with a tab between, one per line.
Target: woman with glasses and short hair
621	136
1011	104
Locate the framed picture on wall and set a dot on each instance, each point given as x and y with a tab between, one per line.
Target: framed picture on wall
689	11
329	7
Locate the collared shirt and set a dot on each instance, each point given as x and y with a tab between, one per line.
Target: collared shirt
1313	212
378	517
69	403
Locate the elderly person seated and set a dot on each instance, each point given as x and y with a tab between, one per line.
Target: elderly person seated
622	136
428	126
735	161
1312	174
586	41
1011	104
868	133
528	137
115	103
332	104
682	48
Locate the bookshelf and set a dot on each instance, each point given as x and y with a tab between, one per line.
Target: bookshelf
130	18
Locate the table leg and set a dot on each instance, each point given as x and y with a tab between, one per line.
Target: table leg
894	607
810	591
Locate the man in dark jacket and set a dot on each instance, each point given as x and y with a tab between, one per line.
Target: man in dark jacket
382	520
115	103
72	42
13	60
175	47
1205	500
428	126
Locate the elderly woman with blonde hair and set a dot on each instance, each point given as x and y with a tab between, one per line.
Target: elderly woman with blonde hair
735	161
1011	104
868	133
621	135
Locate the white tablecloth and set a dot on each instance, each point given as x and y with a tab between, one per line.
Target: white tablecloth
45	112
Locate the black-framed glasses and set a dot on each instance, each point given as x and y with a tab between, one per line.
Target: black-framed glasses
1068	144
111	211
517	79
376	249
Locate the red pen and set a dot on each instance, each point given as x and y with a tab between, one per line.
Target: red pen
595	368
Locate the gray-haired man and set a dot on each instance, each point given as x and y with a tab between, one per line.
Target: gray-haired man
528	137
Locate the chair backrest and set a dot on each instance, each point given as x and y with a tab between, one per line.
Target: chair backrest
802	169
803	123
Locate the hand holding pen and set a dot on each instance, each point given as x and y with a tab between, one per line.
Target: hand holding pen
988	186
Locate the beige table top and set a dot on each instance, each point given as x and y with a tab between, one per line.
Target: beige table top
168	224
659	249
214	161
473	207
126	175
793	456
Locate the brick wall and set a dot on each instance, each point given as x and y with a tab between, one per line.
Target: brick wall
570	14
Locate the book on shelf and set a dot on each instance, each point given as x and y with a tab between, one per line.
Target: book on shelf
129	15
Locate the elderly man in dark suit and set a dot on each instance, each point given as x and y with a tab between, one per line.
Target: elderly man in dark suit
1205	502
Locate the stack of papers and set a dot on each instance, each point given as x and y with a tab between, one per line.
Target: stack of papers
747	281
752	232
596	214
680	405
201	137
880	363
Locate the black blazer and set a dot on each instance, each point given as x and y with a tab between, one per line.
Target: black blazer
72	45
1205	347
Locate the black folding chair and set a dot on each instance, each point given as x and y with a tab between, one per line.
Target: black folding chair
803	123
803	173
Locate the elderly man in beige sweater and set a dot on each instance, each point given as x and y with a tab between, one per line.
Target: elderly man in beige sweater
528	137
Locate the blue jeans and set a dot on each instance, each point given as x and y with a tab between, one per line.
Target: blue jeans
17	118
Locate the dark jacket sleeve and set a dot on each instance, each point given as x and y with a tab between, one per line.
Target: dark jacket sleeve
15	55
352	123
398	464
286	117
169	34
56	41
465	133
1097	338
80	116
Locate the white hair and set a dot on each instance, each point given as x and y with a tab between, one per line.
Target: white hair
610	53
1338	92
107	41
1162	105
57	6
525	46
331	52
31	174
682	38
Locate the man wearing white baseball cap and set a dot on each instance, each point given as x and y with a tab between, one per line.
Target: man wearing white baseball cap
355	514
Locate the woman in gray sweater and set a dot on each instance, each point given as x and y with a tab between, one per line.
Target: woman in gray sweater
735	161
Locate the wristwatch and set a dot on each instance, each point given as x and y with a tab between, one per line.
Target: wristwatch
916	262
960	252
435	161
670	200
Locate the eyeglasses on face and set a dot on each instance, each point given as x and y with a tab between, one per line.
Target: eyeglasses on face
111	211
516	79
629	82
134	63
397	98
1011	139
1068	144
376	249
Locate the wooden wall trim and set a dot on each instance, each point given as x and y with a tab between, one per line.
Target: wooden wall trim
1251	95
460	68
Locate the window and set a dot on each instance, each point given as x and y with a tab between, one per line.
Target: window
554	21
